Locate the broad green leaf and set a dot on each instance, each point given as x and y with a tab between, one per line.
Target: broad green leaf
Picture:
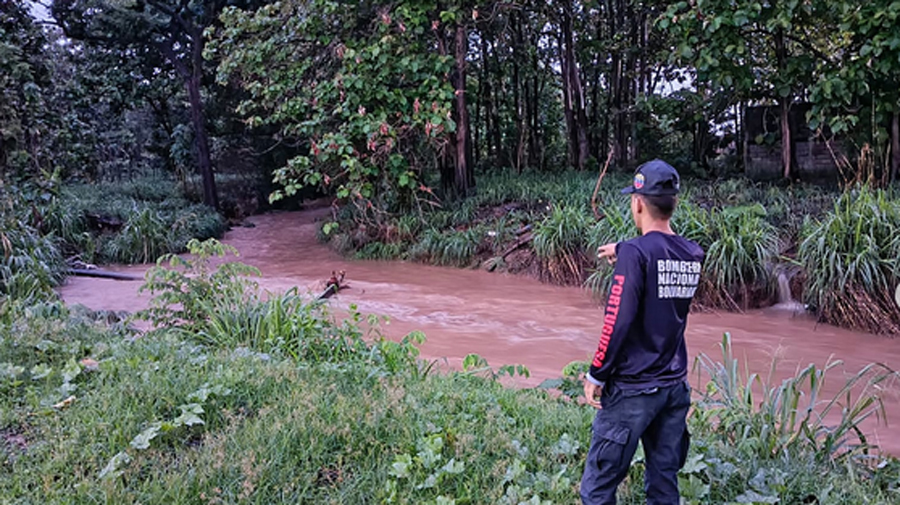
142	441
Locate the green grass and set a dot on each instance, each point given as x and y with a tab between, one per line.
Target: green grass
741	248
89	414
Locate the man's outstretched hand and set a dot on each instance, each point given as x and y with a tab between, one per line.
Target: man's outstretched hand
592	394
607	251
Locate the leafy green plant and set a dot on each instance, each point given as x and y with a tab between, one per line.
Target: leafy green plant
183	290
31	263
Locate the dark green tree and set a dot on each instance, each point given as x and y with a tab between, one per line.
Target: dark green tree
148	30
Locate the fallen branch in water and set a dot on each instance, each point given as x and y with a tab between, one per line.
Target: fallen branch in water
333	285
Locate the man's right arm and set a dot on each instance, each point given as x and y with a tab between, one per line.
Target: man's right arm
622	307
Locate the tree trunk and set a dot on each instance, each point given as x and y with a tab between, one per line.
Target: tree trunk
495	106
517	102
576	118
198	120
476	125
786	140
784	103
463	176
895	145
567	104
486	97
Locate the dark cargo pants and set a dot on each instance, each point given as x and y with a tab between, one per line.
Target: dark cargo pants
657	417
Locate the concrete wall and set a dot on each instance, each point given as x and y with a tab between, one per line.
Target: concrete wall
814	161
763	161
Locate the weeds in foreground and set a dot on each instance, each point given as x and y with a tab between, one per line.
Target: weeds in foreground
286	404
163	419
793	417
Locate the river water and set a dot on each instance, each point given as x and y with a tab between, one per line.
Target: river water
511	319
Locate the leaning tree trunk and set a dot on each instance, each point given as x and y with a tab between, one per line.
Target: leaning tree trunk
567	105
192	78
786	139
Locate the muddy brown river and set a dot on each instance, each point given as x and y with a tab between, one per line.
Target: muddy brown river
511	319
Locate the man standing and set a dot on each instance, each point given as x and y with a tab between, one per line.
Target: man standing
638	378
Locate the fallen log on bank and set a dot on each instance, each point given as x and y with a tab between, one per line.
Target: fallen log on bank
103	274
519	243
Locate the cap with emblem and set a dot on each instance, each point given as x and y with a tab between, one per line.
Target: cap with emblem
655	178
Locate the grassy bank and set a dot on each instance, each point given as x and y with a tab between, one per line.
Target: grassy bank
134	221
544	226
264	405
48	228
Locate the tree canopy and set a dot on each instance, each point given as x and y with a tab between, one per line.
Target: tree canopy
397	105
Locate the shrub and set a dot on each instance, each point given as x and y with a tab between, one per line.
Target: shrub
851	261
144	238
183	290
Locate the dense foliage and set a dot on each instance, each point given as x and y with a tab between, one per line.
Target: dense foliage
369	102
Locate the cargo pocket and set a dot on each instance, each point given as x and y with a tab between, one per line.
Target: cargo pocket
610	440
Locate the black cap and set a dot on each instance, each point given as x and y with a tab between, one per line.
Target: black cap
655	178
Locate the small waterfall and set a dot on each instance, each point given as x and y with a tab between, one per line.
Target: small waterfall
784	288
785	298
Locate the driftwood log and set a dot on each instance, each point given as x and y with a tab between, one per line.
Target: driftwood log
333	285
103	274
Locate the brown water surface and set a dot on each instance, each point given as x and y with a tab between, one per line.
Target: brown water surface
510	319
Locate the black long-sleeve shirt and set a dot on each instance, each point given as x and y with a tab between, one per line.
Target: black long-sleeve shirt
642	337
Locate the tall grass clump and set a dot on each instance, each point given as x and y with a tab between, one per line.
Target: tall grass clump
759	440
450	248
741	249
851	258
617	225
792	417
560	243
